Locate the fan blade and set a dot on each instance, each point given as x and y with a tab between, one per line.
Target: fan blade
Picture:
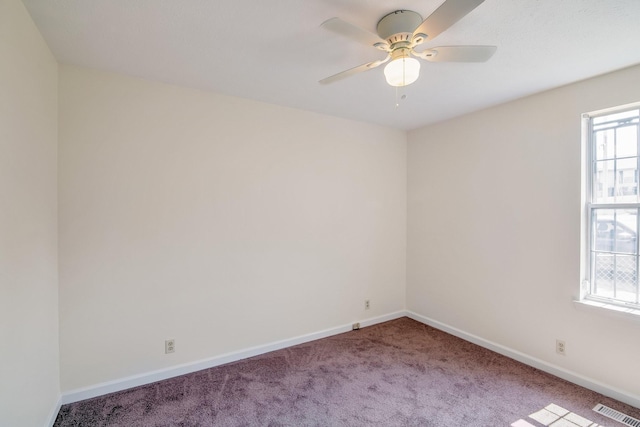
352	32
449	12
354	70
457	53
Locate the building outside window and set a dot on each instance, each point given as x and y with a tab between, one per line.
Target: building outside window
613	206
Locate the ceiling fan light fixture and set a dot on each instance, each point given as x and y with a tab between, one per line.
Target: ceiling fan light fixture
400	32
402	71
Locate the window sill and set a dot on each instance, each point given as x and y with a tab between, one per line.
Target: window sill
608	309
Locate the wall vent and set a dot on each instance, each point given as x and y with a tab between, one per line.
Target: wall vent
616	415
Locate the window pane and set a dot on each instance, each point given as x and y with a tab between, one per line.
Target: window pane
627	141
602	281
610	120
616	277
626	182
605	144
625	270
605	181
615	254
615	230
626	231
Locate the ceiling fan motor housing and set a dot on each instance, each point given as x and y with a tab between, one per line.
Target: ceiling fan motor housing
398	26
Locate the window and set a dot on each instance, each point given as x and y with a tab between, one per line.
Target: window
613	206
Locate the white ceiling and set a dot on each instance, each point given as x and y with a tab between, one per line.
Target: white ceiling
275	51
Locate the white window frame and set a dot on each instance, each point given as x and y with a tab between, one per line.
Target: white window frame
589	206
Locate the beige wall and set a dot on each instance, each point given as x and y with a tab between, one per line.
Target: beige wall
223	223
494	230
29	379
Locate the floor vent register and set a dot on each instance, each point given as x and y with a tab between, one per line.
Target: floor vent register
616	415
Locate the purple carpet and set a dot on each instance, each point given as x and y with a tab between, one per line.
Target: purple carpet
399	373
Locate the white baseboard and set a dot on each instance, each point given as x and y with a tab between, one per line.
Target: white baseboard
565	374
174	371
53	414
186	368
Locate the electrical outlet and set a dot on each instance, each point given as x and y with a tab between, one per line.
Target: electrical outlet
561	347
367	304
356	326
169	346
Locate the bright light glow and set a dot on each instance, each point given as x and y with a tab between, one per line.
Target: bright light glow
402	71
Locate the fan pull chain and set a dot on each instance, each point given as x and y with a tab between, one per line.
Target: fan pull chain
399	97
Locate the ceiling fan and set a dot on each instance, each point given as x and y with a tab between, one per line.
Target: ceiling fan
400	32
